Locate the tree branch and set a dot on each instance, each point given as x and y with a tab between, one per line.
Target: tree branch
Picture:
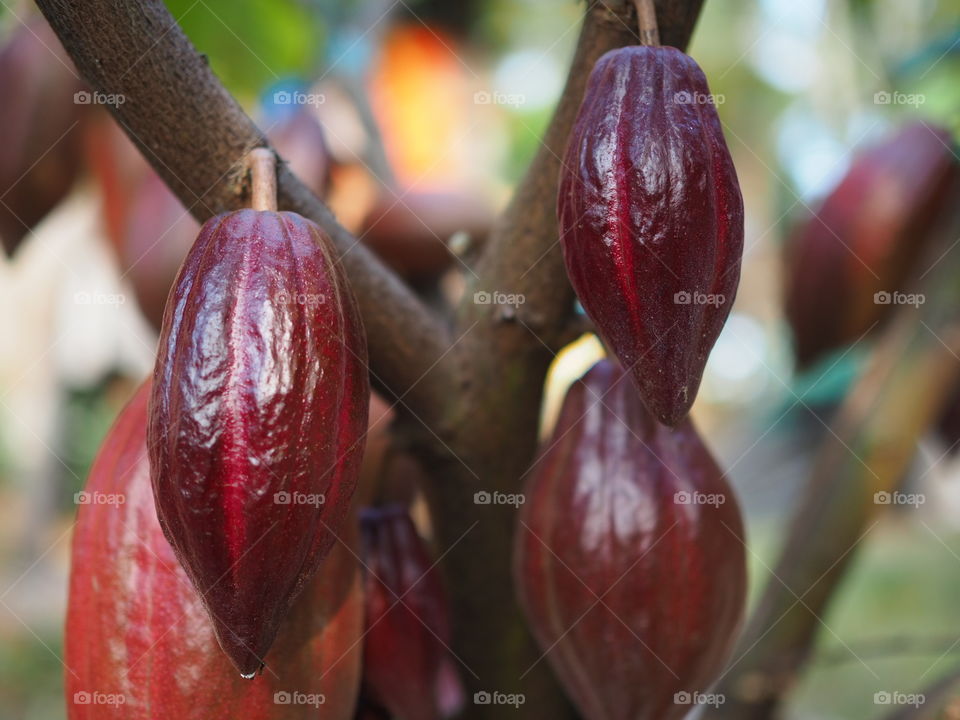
196	135
504	353
872	441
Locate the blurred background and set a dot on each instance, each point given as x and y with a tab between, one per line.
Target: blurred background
414	120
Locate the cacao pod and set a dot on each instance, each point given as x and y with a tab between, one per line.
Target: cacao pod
629	556
41	153
139	644
866	239
298	137
409	231
158	233
257	418
118	169
148	227
406	661
651	220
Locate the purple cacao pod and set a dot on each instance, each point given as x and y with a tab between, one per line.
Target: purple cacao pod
629	556
406	661
257	418
866	239
651	220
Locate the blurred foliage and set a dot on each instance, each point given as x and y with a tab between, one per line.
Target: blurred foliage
253	43
86	416
32	687
902	586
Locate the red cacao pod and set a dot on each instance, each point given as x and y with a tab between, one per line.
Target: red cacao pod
405	653
257	418
651	219
41	153
629	556
138	634
866	239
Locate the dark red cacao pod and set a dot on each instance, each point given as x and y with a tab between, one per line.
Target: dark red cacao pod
257	419
406	661
139	644
866	237
42	119
629	556
651	219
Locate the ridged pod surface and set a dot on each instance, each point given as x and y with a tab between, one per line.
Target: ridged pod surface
406	663
139	644
629	557
863	243
651	219
257	418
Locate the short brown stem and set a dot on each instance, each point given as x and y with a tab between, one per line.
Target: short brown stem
647	22
263	179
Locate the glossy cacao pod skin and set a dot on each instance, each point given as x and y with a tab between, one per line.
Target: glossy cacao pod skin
137	630
868	236
406	661
651	220
257	418
615	511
